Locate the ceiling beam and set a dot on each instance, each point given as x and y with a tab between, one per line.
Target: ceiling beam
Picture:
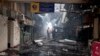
53	1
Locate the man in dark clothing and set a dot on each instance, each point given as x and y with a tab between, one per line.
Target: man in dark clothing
85	34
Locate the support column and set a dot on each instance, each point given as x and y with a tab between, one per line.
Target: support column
96	30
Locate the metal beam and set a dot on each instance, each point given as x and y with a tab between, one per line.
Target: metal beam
53	1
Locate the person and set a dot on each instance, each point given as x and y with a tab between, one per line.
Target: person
85	34
49	33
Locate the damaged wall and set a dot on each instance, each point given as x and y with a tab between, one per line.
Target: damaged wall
14	33
3	33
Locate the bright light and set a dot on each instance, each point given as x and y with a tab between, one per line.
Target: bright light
50	25
46	14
